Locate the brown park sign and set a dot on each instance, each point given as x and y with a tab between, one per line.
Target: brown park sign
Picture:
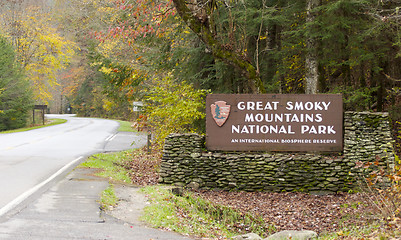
274	122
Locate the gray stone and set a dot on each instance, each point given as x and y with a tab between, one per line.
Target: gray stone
194	185
179	184
178	191
185	162
249	236
332	179
293	235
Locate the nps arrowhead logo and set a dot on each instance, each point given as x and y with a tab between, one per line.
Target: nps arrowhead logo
220	112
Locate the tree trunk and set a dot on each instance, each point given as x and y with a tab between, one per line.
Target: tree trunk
322	85
202	27
311	61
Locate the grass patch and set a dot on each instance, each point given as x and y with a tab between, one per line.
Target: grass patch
125	126
108	198
191	215
49	123
110	165
372	231
113	167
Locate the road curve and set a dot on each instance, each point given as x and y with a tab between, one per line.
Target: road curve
30	159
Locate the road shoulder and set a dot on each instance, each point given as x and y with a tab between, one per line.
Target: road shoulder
130	205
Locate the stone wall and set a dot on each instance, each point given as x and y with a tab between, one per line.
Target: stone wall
367	138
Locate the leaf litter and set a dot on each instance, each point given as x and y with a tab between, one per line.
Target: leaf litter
330	213
299	211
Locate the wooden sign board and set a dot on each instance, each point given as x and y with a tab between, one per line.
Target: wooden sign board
274	122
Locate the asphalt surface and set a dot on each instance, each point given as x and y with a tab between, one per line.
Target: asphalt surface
70	210
29	159
65	204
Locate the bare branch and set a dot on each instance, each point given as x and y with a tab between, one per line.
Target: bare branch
391	78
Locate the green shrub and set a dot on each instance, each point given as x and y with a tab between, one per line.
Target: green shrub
173	107
15	95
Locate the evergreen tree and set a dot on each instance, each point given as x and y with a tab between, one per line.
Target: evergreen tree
354	44
15	94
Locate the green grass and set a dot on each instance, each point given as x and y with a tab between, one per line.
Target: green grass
52	122
194	216
125	126
191	215
111	165
108	198
372	231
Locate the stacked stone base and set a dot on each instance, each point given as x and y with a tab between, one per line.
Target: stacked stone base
186	162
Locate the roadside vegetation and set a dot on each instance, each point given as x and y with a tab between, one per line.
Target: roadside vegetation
373	214
125	126
15	94
188	214
191	214
48	123
110	165
108	198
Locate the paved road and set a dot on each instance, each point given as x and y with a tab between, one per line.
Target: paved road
41	200
28	159
69	210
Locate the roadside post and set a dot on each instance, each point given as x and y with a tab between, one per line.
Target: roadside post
141	123
42	112
149	141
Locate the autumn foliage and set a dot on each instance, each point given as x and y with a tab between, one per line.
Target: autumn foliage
137	19
41	50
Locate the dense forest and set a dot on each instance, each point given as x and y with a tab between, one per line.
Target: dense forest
96	57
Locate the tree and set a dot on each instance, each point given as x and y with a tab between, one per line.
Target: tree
311	61
15	95
356	48
173	107
140	19
199	17
40	48
349	46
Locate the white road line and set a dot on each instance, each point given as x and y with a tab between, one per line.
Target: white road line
111	137
31	191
